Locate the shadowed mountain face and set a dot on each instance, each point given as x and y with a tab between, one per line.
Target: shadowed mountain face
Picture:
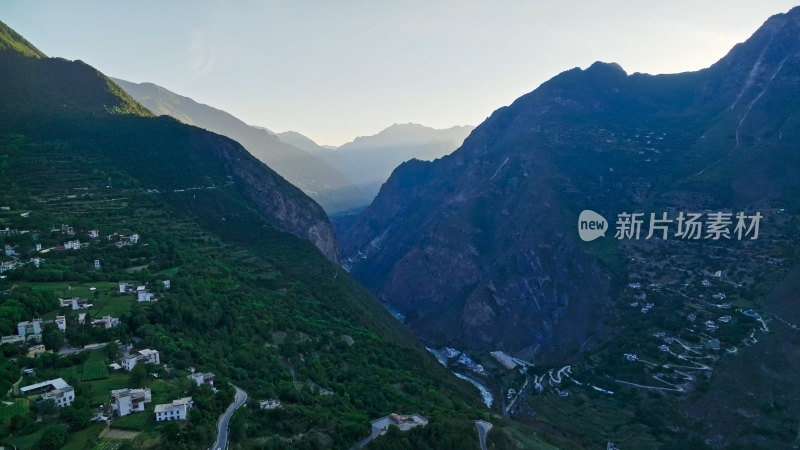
480	249
314	176
40	95
487	234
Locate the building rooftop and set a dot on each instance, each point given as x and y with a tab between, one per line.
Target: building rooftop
57	383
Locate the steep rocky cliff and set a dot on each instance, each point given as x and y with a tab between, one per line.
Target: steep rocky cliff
284	203
479	249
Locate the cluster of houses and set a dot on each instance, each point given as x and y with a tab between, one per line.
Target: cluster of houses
142	294
123	401
127	401
9	251
31	330
121	240
75	303
72	244
76	244
106	322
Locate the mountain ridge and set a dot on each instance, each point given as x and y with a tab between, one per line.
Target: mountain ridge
479	251
311	174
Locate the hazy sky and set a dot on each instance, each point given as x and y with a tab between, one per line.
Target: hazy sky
333	70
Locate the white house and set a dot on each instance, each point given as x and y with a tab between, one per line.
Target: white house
146	356
201	378
404	422
177	410
126	401
57	390
93	233
144	296
38	247
36	262
166	284
30	327
269	404
10	251
61	323
82	318
72	245
75	303
106	322
96	263
134	238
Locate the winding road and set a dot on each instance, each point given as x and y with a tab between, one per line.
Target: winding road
225	418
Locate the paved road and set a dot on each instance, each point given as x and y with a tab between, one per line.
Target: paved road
69	351
377	426
224	420
483	428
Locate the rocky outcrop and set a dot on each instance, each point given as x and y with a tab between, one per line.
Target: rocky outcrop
279	200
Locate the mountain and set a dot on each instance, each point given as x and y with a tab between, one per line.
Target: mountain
98	193
479	250
315	177
302	142
368	160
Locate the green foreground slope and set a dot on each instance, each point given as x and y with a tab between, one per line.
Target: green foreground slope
256	305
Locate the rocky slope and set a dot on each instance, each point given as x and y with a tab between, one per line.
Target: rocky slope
479	249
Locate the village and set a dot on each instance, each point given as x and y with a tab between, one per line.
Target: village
80	356
115	380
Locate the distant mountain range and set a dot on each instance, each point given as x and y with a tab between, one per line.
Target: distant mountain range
340	179
479	250
325	184
369	160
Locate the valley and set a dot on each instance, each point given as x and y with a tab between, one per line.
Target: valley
610	261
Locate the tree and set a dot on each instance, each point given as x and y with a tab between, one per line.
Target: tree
138	376
112	350
53	438
46	408
238	425
53	339
76	418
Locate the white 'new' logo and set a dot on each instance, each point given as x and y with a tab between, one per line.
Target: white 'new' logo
591	225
